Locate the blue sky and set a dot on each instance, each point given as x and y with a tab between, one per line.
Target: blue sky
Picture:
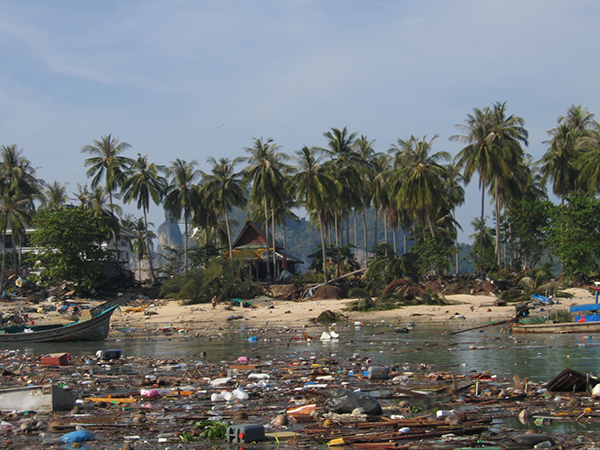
194	79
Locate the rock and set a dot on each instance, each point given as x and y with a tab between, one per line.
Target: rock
280	420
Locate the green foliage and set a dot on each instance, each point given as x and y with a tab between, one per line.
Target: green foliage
529	220
386	270
173	257
345	255
574	234
433	255
222	277
69	242
212	430
186	436
201	255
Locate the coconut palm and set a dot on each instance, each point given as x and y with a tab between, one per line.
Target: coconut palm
54	197
225	189
309	186
16	213
140	237
182	197
143	183
265	171
107	163
342	168
419	181
481	154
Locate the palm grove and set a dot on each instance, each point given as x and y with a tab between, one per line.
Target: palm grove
411	187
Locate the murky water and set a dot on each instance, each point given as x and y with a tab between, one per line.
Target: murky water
539	357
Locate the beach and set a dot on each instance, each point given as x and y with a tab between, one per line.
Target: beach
464	309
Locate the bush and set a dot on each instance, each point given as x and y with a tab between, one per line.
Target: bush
222	277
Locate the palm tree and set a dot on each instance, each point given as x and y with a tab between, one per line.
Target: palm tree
343	170
265	166
140	236
182	197
143	183
55	197
108	163
15	212
18	189
309	185
493	145
418	183
225	189
371	165
83	195
104	212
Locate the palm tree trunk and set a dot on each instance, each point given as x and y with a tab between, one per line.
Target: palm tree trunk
337	243
376	240
185	241
385	232
497	195
285	263
148	245
229	235
267	235
275	271
365	237
482	225
114	234
355	232
394	238
3	255
324	254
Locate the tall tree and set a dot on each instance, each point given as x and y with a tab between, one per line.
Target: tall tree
343	170
140	237
226	189
108	163
182	197
264	169
309	185
54	197
493	145
143	183
569	140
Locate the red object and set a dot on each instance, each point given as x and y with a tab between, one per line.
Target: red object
55	359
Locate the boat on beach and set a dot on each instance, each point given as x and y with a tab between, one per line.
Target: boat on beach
93	328
583	323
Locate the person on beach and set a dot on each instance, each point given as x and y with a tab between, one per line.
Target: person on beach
214	302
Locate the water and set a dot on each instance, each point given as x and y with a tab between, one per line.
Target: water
539	357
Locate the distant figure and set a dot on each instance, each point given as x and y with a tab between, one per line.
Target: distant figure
214	302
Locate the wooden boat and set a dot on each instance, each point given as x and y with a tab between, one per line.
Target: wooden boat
557	328
585	323
95	328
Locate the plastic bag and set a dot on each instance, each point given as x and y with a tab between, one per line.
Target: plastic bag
78	436
344	401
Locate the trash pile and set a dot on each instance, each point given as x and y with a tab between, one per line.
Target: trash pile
113	401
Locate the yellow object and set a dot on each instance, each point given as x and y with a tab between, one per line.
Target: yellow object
334	442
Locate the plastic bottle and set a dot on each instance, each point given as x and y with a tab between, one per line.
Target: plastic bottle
218	397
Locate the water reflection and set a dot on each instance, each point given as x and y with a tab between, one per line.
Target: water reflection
538	357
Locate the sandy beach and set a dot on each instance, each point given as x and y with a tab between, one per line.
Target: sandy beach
464	310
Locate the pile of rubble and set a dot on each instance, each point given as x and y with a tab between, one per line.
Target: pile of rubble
112	401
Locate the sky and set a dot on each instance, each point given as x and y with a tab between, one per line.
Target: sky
200	79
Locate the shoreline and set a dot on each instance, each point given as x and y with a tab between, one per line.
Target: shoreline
463	311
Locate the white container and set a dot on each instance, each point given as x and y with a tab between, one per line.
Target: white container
444	413
240	394
259	376
218	397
